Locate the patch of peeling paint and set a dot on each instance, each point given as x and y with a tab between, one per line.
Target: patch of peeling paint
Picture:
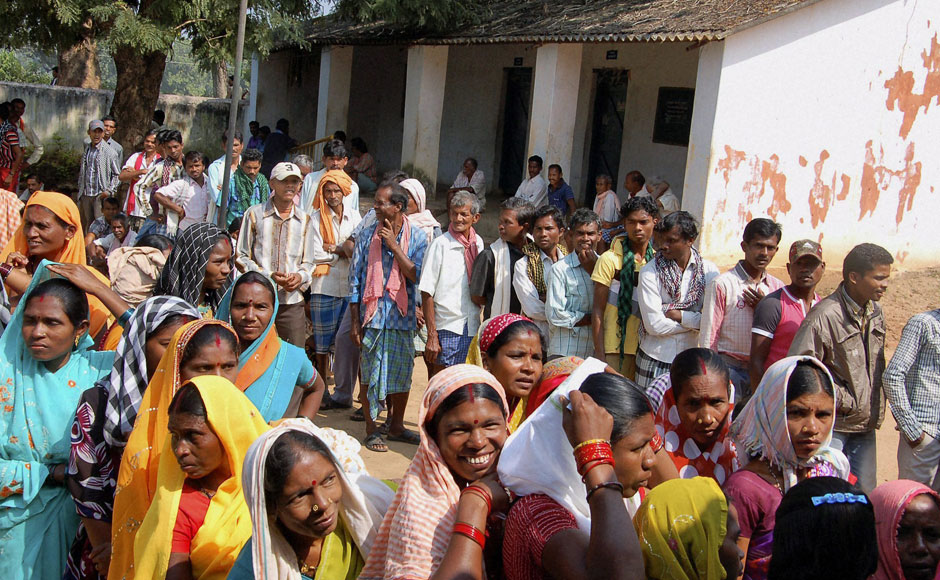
901	95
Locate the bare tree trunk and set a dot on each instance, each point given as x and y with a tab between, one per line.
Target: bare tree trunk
78	59
135	96
220	88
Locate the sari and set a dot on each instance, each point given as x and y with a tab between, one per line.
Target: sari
185	271
227	525
38	520
417	528
73	252
890	501
269	369
137	475
268	555
681	525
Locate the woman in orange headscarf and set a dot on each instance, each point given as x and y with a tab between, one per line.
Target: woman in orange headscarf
51	230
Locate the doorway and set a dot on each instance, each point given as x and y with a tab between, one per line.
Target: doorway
610	104
512	159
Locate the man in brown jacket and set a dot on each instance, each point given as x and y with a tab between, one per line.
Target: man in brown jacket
846	331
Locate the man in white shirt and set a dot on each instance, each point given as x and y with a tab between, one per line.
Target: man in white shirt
216	171
671	291
187	199
470	179
633	183
335	158
121	236
534	189
531	272
449	313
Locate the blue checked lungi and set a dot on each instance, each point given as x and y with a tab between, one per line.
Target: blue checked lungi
454	347
386	361
326	312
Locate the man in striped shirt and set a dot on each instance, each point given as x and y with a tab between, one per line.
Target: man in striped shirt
276	240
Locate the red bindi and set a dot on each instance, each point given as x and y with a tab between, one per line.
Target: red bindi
475	421
470	392
313	483
218	340
41	298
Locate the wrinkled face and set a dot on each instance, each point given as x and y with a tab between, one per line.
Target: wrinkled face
119	229
873	284
601	185
462	218
335	162
729	554
517	364
197	448
554	176
919	538
759	252
809	421
673	245
806	272
109	128
47	331
547	233
534	169
96	135
639	227
313	482
585	236
304	169
33	185
150	144
468	168
509	227
384	208
630	184
109	210
219	266
704	407
634	457
333	194
156	344
237	148
194	169
173	150
251	311
218	359
470	437
251	169
45	234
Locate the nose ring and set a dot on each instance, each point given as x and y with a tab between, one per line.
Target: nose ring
316	508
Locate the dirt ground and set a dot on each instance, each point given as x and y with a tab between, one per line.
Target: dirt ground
908	294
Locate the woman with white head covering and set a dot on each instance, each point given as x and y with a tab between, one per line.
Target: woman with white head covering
418	212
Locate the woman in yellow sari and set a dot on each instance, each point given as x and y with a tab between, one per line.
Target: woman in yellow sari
202	347
199	521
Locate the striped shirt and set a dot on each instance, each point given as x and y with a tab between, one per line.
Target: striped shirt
99	170
912	377
9	138
570	297
269	243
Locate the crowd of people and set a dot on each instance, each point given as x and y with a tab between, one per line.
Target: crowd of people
603	402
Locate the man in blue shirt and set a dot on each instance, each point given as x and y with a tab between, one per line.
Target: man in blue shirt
560	193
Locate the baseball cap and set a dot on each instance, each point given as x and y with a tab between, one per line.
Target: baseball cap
802	248
284	170
96	124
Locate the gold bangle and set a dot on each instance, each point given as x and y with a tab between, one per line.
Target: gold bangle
589	442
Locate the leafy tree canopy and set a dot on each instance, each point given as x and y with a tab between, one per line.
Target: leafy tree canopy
423	15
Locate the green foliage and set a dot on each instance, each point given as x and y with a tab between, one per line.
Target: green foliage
420	15
19	68
59	165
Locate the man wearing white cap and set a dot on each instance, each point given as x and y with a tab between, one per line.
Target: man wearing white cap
98	174
276	240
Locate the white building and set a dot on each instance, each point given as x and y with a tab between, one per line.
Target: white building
816	113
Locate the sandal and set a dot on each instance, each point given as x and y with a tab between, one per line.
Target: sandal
357	415
375	442
406	436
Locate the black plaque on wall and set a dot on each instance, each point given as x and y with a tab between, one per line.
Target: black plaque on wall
673	116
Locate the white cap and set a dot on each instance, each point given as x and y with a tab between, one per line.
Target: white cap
284	170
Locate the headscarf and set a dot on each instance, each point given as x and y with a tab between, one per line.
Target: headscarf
185	270
227	526
681	525
245	189
255	360
340	178
760	431
423	218
128	379
417	528
535	268
554	372
480	343
890	501
537	457
362	507
718	462
137	477
671	278
73	252
375	285
625	294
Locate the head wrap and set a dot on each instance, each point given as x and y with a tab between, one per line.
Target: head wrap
416	530
760	431
487	333
128	379
422	218
890	501
185	270
362	507
681	525
341	179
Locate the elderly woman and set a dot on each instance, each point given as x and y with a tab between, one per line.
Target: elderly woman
291	472
45	365
782	436
199	269
907	516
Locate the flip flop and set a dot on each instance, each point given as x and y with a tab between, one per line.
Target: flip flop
407	436
357	415
375	442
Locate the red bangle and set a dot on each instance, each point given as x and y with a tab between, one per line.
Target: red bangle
583	470
593	452
478	491
471	532
5	270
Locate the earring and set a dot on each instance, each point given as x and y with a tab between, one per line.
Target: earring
78	339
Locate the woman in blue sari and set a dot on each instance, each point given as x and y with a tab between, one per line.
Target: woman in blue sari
44	368
275	375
